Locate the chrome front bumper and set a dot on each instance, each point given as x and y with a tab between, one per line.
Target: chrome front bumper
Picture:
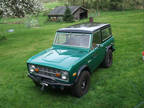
47	80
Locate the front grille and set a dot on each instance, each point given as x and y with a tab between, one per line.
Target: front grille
47	71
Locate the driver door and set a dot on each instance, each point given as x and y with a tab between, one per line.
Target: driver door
97	50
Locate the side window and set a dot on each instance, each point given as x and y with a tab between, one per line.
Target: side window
106	33
96	38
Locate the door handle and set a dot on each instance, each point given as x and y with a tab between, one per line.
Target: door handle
99	45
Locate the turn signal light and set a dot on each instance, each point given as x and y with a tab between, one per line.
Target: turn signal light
143	55
36	69
74	74
58	74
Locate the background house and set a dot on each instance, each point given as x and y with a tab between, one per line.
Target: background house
77	11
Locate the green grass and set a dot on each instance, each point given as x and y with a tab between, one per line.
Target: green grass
121	86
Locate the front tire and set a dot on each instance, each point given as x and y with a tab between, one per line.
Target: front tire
36	83
82	85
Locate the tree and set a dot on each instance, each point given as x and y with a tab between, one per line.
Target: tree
116	4
108	4
68	17
19	8
97	7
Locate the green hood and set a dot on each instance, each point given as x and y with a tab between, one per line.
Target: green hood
61	58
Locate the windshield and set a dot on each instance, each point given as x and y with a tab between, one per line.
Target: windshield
72	39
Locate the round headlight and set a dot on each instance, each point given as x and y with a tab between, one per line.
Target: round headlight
31	68
64	75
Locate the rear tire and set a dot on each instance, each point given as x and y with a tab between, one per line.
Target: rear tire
82	85
108	60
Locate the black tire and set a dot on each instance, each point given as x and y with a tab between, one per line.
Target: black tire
82	85
108	60
36	83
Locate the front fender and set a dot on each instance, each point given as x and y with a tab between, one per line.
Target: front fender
111	46
79	72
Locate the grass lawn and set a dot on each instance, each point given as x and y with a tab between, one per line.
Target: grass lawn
121	86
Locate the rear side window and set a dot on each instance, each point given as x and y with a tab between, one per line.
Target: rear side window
106	33
96	38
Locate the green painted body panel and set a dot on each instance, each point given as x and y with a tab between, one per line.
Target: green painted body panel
59	57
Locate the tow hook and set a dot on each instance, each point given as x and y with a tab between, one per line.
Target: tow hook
43	86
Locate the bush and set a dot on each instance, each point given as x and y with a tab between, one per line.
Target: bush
116	4
31	21
109	4
68	17
19	8
3	38
2	35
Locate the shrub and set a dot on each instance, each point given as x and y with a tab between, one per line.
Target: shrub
3	38
2	35
68	17
31	21
116	4
19	8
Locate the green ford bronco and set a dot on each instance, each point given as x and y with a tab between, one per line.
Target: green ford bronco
76	52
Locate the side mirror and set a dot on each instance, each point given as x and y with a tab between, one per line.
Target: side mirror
97	45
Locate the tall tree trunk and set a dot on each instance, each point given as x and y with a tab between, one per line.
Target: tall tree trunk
97	8
73	2
83	3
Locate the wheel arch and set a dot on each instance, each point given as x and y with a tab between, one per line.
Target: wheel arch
81	69
110	47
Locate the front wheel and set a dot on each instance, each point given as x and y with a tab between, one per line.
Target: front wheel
36	83
82	86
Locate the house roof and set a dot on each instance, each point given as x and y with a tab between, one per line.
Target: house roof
83	28
59	10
